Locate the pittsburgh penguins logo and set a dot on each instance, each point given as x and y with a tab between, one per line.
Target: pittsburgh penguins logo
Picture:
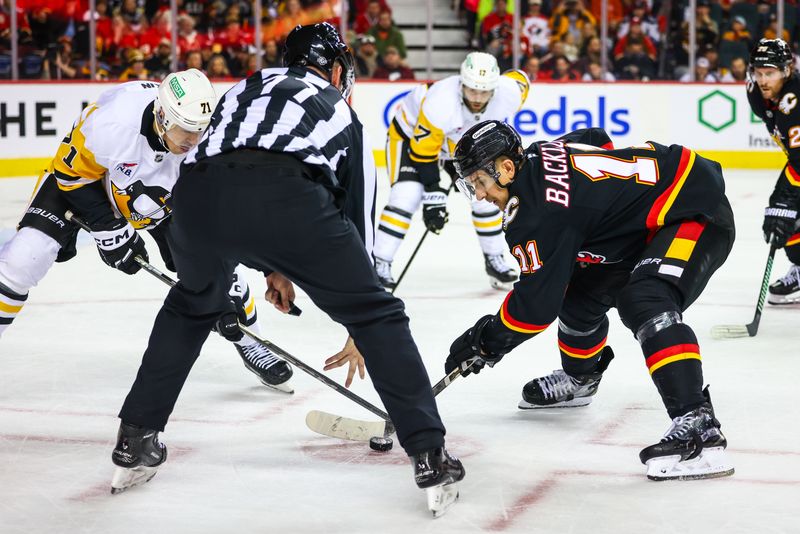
142	205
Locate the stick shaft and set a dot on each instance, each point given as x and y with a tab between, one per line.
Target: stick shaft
752	328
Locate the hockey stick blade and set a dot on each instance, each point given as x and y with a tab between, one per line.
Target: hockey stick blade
336	426
729	331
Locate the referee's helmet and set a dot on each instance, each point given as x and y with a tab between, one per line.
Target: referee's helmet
321	46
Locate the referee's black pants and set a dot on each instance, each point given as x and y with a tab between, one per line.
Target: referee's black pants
262	209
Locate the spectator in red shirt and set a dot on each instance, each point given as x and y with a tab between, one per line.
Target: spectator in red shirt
393	68
369	18
161	29
562	70
496	18
188	37
636	34
233	37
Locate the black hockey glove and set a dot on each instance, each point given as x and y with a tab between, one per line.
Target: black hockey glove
118	245
434	209
466	352
779	222
228	323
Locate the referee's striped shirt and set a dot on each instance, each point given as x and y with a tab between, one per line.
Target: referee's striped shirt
295	111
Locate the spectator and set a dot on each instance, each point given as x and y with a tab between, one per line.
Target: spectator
233	38
217	67
570	17
293	15
636	34
702	72
501	46
272	57
44	28
194	60
392	67
592	52
188	37
594	73
386	34
707	30
496	19
531	68
549	59
471	17
649	24
23	24
536	28
161	29
570	46
133	14
562	70
61	65
772	31
737	72
160	64
366	56
136	69
739	32
368	18
635	63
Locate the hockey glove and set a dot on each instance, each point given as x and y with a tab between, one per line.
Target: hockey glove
779	222
434	209
118	245
228	323
466	352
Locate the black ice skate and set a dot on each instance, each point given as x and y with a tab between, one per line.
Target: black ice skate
384	270
270	370
137	456
786	290
560	390
501	276
692	448
437	472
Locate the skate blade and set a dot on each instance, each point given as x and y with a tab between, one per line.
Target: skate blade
712	463
501	286
284	387
441	498
574	403
127	478
783	300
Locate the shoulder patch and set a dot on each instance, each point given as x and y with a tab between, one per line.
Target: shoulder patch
787	103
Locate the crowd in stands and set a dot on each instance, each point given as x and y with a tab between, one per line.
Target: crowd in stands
560	39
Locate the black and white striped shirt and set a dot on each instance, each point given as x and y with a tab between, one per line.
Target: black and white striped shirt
295	111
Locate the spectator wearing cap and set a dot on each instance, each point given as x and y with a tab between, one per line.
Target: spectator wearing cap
649	23
536	27
160	63
739	32
136	69
366	57
391	67
702	72
386	34
635	34
737	72
571	16
772	30
368	18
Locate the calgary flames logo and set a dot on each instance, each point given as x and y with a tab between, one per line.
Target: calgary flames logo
584	256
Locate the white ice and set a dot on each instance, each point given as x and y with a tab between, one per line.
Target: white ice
242	460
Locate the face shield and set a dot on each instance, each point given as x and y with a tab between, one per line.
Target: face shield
478	183
181	141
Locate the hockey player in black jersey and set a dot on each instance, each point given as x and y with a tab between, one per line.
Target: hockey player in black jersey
641	229
773	88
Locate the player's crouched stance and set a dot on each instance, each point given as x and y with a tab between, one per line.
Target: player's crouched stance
641	229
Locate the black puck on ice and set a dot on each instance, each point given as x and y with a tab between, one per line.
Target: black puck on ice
380	443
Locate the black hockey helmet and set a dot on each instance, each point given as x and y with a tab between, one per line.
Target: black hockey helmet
321	46
478	149
771	53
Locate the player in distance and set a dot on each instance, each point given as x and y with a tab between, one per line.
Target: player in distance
772	90
641	229
115	170
427	124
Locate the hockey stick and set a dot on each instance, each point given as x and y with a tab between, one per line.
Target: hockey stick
274	348
411	259
337	426
737	330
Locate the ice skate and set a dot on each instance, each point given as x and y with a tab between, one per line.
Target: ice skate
270	370
786	290
560	390
501	276
137	455
692	448
384	270
438	472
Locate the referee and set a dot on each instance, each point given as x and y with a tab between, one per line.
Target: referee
283	181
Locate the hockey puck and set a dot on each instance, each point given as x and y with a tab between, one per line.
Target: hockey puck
380	443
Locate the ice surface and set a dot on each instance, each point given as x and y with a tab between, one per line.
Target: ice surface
242	460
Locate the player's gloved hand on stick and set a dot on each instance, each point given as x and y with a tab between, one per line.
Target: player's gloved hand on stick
467	347
779	223
228	323
434	209
118	245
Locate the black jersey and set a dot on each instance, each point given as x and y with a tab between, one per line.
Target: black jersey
782	119
572	203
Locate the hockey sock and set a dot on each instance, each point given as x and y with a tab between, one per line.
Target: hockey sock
673	358
240	294
404	199
488	223
580	350
10	305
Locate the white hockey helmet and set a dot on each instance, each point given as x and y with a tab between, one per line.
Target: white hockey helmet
479	71
185	99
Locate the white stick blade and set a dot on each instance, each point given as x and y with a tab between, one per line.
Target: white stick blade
340	427
729	331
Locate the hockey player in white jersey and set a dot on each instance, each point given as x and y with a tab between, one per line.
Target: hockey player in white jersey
422	135
115	169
